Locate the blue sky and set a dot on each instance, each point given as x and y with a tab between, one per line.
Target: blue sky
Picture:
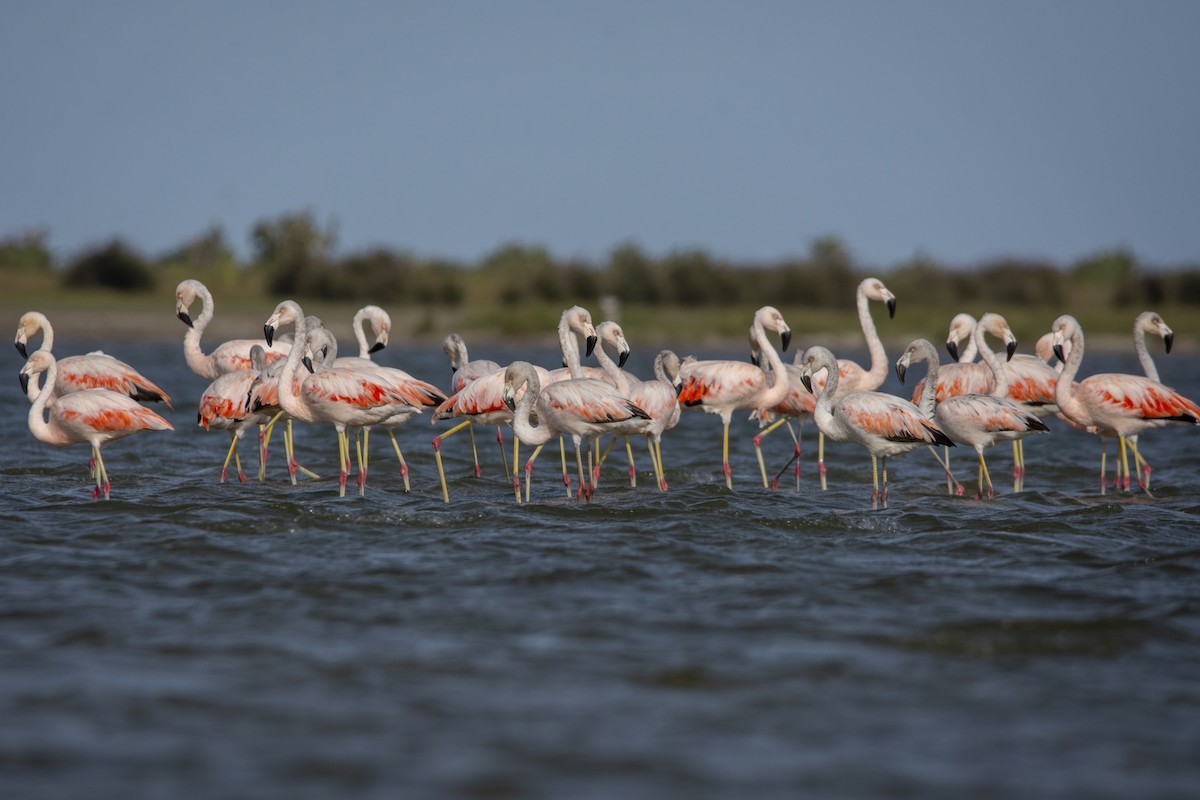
963	131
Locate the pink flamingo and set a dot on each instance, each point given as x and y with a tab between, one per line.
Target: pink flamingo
480	401
224	405
721	387
657	397
350	397
1114	404
463	371
229	356
797	404
1146	322
975	419
95	416
851	376
582	408
95	370
884	424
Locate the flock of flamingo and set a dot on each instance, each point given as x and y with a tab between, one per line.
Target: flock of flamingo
257	383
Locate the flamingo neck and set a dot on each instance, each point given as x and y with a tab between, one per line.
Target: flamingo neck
289	401
1143	353
42	430
1065	394
999	370
611	369
928	402
47	335
823	409
360	333
879	366
570	348
197	361
523	429
778	390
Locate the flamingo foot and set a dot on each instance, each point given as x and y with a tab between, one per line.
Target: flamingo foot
242	476
478	471
224	473
774	484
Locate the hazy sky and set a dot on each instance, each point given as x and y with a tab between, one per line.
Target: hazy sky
958	130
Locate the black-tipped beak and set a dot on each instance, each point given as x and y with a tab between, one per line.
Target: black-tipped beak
1058	353
24	354
952	349
1010	348
591	345
187	320
786	338
900	370
24	378
678	389
511	402
1170	337
624	356
375	348
807	381
307	362
269	332
754	359
892	307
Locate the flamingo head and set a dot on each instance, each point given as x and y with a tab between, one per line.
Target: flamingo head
770	318
961	327
286	312
1152	322
612	334
997	326
29	324
1064	329
815	359
874	289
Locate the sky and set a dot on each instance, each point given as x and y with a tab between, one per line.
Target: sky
957	131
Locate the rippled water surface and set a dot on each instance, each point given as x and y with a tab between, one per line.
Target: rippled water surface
192	639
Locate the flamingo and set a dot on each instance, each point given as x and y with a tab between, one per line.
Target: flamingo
656	397
976	419
462	371
884	424
574	321
224	405
721	387
481	401
95	416
346	397
582	408
851	376
95	370
229	356
798	404
1114	404
1146	322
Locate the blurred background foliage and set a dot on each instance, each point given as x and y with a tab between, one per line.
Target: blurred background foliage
520	288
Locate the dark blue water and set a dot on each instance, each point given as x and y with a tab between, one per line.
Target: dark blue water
192	639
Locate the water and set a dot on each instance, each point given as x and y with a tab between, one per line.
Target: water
201	640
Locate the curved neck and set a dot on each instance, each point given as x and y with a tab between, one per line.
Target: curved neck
778	389
823	410
523	429
42	430
1064	390
570	348
999	370
610	368
289	401
360	333
47	336
928	402
196	360
1143	353
879	365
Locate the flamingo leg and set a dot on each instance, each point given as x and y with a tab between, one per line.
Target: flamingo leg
101	474
562	452
1124	465
796	455
762	468
875	482
984	476
952	484
503	457
437	456
537	451
228	456
403	463
883	496
584	488
821	459
474	453
725	459
264	439
632	466
662	471
1140	465
363	455
343	462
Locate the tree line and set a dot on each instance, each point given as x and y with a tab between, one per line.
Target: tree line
293	255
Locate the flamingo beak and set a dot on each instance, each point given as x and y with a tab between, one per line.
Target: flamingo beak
806	379
307	362
786	338
510	400
952	349
623	358
1010	348
269	333
891	304
24	378
901	368
187	320
1058	352
375	348
754	359
591	344
1167	339
24	354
